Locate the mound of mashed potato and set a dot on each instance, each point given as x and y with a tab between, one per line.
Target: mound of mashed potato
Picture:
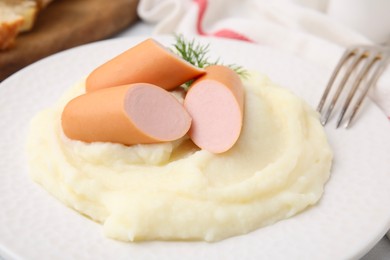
174	191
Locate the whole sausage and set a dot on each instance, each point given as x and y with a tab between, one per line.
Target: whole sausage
148	62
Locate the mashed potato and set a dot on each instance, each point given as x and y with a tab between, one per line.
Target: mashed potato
174	191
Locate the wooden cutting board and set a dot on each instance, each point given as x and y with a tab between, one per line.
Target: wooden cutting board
65	24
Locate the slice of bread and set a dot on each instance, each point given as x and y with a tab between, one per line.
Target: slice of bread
17	16
9	27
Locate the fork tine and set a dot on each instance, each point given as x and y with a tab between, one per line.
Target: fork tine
378	71
356	59
347	54
371	59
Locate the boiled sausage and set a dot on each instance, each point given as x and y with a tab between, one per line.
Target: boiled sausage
215	102
148	62
130	114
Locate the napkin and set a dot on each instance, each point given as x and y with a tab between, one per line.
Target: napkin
301	27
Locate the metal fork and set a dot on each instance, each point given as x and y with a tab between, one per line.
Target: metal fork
368	62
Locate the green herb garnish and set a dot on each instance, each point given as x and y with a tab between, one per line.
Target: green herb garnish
196	54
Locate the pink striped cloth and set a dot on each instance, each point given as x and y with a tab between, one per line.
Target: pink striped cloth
304	30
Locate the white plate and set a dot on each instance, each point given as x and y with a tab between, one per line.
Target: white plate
352	216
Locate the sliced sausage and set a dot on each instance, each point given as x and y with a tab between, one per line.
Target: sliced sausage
148	62
130	114
215	102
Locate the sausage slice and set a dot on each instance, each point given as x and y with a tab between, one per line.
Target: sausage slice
215	102
130	114
148	62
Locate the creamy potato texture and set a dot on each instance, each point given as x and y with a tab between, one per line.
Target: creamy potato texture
174	191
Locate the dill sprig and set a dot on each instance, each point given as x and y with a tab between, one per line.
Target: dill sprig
197	55
191	51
